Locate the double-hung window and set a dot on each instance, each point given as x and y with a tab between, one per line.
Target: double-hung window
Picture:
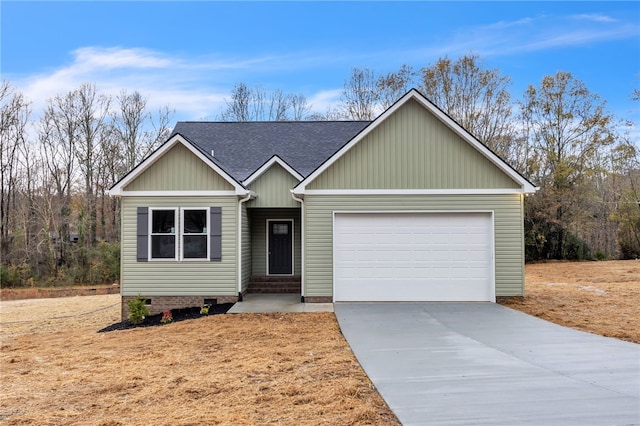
163	233
195	239
179	234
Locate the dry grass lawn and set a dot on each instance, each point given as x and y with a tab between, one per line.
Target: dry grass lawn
285	369
244	369
598	297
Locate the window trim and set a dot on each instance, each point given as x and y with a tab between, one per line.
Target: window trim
176	224
206	234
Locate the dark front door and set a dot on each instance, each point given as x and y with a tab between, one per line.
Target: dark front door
280	247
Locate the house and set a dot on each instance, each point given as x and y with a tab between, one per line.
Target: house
407	207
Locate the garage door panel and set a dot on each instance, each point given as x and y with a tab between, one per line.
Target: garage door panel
413	257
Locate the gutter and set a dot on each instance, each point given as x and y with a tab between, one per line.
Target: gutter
302	235
249	195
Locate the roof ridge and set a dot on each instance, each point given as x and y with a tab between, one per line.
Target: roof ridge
274	122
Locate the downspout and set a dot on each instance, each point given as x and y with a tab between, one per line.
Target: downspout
302	234
240	202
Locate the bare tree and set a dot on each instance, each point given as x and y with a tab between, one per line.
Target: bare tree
14	114
475	97
360	95
394	84
59	129
256	104
238	108
93	112
300	109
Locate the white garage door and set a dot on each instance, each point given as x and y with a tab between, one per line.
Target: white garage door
413	257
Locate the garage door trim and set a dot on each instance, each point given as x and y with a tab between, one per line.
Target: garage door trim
491	214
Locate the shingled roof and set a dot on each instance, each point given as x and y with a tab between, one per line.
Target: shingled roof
240	148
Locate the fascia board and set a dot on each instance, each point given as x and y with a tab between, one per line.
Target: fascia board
527	187
118	188
266	166
300	188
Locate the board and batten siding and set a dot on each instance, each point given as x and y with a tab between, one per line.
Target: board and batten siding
273	188
412	149
185	278
258	218
179	170
508	228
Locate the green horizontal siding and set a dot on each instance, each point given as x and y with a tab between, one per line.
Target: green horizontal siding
172	278
246	248
508	227
273	188
412	149
179	170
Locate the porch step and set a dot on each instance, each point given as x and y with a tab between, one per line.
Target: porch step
274	284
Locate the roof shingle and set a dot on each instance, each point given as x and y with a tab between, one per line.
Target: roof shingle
241	148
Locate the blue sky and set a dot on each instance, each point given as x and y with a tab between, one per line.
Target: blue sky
188	55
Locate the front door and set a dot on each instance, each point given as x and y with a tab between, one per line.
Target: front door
280	247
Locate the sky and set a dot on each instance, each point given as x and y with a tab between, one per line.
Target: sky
189	55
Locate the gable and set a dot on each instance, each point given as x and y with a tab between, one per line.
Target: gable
178	169
273	188
412	149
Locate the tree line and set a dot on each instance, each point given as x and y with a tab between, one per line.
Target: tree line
58	224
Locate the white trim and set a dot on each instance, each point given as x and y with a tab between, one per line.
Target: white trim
176	229
266	166
470	191
293	247
206	234
527	187
240	202
118	188
179	193
492	277
302	234
178	234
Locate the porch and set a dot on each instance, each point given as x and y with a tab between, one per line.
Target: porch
266	303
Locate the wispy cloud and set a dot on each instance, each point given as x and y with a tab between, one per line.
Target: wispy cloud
195	86
536	33
595	17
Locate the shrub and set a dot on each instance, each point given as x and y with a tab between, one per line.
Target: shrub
14	275
137	310
600	255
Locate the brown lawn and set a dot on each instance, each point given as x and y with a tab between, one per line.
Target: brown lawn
285	369
598	297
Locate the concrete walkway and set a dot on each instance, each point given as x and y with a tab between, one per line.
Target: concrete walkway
261	303
482	363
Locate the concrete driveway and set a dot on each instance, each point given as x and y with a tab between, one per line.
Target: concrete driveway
482	363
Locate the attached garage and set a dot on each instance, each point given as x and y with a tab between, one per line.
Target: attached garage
413	256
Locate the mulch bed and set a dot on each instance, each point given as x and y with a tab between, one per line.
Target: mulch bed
177	314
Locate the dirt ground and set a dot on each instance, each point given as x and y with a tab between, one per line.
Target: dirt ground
285	369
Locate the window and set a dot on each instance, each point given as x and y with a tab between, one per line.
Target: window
195	240
163	234
280	229
179	234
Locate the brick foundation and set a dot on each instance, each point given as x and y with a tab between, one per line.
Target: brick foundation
162	303
318	299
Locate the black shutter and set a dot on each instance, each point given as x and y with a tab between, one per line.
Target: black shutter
215	233
142	244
